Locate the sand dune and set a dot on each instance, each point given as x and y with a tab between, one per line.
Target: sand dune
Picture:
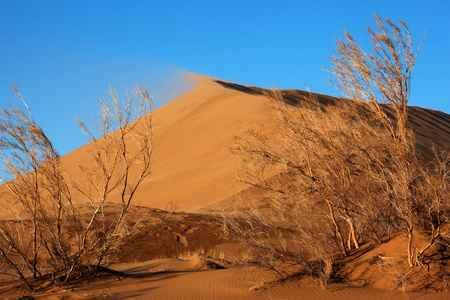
192	165
194	169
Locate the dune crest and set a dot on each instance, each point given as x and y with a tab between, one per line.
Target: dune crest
192	165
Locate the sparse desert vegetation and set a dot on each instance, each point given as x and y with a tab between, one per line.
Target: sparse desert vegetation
349	192
340	174
68	226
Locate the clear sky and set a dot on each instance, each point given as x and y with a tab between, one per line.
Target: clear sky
63	54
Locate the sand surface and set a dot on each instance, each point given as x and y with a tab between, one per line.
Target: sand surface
192	280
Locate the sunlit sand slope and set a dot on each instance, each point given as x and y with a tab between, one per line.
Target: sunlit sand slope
193	167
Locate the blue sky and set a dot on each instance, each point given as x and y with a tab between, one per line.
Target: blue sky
63	54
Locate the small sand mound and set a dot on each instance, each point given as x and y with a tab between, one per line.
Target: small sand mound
385	267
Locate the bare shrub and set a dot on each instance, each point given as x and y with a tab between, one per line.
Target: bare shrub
55	223
339	173
384	76
312	177
121	160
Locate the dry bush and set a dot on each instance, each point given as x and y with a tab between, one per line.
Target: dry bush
341	173
417	193
121	160
57	223
312	204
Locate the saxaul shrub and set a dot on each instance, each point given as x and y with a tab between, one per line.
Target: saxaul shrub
338	173
63	224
